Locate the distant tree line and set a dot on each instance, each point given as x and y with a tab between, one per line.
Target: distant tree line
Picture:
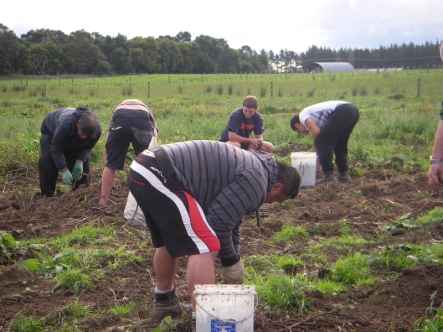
52	52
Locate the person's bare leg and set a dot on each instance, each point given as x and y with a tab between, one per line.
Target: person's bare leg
164	267
267	147
200	270
106	184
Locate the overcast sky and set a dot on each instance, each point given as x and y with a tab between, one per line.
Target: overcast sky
270	25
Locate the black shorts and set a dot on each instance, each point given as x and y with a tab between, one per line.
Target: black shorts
173	216
127	126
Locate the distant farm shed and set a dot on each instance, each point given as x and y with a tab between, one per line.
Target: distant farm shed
330	67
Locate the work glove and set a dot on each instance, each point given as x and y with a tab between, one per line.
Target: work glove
78	168
233	274
67	177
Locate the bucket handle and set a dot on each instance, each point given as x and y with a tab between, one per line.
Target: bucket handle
229	320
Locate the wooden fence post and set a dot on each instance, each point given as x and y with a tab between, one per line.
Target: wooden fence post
272	89
149	90
418	87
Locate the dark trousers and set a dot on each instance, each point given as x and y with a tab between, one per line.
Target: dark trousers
334	137
48	171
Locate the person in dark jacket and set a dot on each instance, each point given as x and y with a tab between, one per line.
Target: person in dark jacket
67	137
201	190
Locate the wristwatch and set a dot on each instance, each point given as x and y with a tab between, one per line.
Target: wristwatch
435	161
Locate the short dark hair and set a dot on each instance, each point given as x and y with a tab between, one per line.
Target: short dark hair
250	102
289	177
295	119
88	123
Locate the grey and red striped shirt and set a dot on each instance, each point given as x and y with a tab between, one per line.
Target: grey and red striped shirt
226	181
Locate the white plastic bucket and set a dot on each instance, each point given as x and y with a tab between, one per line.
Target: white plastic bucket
305	163
224	308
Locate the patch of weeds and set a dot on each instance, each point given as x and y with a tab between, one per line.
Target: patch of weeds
75	309
122	308
396	96
354	91
281	291
338	242
289	232
434	215
344	227
83	234
230	89
318	229
73	279
288	263
7	103
310	93
219	89
127	91
180	89
263	91
29	324
258	263
434	324
363	91
208	89
329	287
352	270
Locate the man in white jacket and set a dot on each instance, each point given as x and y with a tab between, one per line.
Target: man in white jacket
330	124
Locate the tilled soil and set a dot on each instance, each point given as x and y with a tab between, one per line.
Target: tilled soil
378	197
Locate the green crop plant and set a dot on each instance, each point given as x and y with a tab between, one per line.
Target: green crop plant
31	264
122	308
165	325
403	256
7	243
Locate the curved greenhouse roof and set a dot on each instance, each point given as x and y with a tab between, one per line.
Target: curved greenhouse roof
330	67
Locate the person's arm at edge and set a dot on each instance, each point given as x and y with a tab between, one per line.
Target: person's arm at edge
435	173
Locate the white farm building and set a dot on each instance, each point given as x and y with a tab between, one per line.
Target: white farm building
330	67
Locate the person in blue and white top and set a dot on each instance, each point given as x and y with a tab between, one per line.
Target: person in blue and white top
330	124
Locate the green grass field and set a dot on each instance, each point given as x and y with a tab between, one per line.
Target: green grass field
399	110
